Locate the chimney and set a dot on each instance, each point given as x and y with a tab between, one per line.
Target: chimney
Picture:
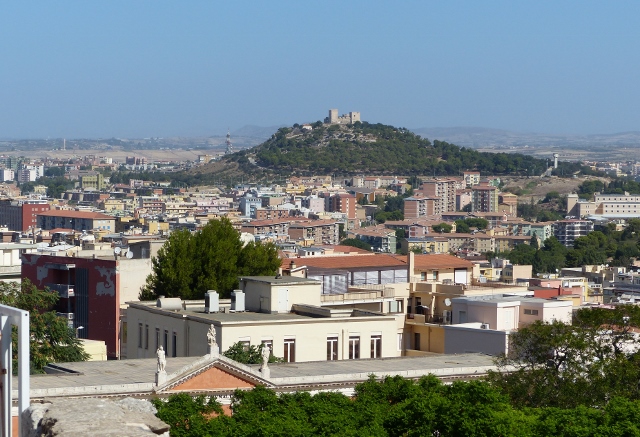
293	265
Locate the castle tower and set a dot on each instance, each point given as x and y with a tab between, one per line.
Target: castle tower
229	148
333	116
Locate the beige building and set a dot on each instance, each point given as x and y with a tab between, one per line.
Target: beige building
282	312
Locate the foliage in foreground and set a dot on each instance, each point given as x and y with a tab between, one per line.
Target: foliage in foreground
51	338
586	363
211	259
394	407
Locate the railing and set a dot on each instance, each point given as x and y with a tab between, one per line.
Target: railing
421	319
352	295
10	270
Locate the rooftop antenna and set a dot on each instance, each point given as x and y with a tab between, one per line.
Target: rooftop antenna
229	148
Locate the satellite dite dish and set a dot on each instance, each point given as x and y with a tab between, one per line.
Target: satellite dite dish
447	302
117	250
129	254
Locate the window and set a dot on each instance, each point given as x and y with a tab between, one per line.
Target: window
409	305
416	341
174	345
400	341
146	336
435	275
399	302
165	344
354	347
376	346
289	350
332	348
419	309
531	312
140	335
157	338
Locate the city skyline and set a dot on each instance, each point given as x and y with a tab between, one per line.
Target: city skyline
160	69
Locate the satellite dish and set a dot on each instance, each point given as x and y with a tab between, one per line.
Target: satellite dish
129	254
117	250
447	302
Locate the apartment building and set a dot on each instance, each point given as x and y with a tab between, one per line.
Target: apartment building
444	190
604	206
417	206
319	232
485	198
76	220
21	214
567	231
471	178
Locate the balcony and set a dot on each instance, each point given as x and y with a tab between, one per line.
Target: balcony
64	290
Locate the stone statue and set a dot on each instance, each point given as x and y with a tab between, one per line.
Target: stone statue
162	361
211	339
266	353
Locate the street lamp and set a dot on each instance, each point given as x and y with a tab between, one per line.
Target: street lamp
78	329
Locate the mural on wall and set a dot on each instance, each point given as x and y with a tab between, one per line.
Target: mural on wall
108	286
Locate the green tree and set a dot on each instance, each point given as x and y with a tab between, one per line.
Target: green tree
187	415
52	340
211	259
355	242
442	228
248	354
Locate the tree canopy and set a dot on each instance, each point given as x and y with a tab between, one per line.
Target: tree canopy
52	340
213	258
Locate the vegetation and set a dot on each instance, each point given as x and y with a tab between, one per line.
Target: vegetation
442	228
394	407
211	259
52	340
379	148
248	354
587	363
464	226
354	242
605	246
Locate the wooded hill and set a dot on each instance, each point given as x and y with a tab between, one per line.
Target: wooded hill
373	149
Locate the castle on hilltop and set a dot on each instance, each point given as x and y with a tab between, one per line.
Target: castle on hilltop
349	118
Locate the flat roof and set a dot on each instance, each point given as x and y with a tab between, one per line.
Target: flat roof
284	280
426	364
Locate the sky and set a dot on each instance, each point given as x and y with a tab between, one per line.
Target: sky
133	69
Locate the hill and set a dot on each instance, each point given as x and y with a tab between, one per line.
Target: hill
369	148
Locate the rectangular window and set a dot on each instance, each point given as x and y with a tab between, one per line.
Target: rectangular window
531	312
157	338
165	344
416	341
409	305
140	335
419	309
332	348
354	347
400	341
174	345
400	302
289	350
376	346
146	336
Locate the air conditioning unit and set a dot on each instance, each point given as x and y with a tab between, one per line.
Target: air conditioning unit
484	326
211	302
237	300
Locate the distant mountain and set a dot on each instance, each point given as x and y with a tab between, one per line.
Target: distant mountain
478	137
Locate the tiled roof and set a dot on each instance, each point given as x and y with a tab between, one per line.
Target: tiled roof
437	261
76	214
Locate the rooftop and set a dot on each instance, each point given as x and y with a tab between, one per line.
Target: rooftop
76	214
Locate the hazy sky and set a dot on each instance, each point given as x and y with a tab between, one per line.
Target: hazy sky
160	68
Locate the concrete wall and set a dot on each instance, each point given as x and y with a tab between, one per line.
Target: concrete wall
133	275
470	338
